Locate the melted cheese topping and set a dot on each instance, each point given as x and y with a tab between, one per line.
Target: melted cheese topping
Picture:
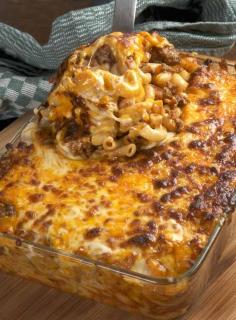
153	213
120	94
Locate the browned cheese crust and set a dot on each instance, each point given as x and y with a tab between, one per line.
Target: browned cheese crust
152	213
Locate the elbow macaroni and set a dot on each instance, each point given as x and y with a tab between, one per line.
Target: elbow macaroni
119	95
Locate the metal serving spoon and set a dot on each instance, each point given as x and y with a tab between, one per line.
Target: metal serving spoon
123	20
124	15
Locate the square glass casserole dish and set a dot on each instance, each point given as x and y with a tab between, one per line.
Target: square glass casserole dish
158	298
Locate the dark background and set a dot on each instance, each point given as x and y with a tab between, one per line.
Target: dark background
36	16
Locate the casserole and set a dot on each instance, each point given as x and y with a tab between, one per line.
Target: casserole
150	256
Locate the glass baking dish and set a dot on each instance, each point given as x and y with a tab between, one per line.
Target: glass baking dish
157	298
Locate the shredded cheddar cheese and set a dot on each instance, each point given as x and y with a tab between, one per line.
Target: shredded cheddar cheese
151	213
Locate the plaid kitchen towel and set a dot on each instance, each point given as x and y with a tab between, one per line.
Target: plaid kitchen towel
207	26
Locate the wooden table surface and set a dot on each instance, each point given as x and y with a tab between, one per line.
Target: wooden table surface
24	300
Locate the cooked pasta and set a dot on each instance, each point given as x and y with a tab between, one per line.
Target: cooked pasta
122	90
75	224
126	150
109	143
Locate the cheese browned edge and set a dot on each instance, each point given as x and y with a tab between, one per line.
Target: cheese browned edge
152	213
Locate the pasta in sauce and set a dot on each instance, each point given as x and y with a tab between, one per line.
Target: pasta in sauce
121	94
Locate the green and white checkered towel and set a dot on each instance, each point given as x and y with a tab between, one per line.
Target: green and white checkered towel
207	26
